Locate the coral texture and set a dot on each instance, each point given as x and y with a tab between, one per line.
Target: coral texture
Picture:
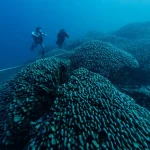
103	58
90	113
28	95
134	31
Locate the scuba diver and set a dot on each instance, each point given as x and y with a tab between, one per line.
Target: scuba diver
61	37
38	39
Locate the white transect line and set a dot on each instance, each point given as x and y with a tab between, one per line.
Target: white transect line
11	68
27	64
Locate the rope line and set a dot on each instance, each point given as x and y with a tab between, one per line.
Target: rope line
11	68
27	64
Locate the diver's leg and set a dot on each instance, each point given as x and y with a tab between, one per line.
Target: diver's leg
33	46
60	45
42	45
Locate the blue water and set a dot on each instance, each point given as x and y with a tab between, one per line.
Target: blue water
18	18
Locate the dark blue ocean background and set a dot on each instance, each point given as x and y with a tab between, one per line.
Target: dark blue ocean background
18	18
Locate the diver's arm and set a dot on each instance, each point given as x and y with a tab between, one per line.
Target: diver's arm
33	34
43	33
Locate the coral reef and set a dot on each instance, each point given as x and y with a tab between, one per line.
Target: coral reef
138	48
90	113
134	31
140	94
103	58
28	95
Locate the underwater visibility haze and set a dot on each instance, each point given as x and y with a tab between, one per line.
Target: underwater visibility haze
75	75
20	18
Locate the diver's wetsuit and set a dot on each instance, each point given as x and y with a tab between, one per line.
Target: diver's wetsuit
37	40
61	38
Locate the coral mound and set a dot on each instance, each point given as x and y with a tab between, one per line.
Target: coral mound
103	58
90	113
134	31
140	94
139	49
28	95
